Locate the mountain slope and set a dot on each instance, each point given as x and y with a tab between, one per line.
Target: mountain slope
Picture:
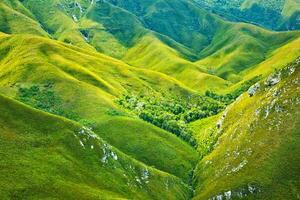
84	90
272	14
126	99
132	31
232	61
255	157
43	156
18	20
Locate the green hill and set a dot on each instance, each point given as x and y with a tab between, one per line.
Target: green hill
256	156
152	99
79	92
272	14
133	32
43	156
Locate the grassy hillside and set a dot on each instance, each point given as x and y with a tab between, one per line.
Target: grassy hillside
84	90
43	156
146	99
151	53
18	20
256	156
272	14
224	49
277	60
132	31
227	60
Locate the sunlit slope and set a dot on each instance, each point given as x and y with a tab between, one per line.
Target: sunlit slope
135	32
151	53
55	18
256	155
249	45
277	60
87	84
88	24
43	156
103	72
118	33
224	49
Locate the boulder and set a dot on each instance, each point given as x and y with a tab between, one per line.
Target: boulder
253	89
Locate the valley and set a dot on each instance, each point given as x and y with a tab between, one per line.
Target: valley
149	99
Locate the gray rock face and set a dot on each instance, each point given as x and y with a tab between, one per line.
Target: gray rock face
273	79
253	89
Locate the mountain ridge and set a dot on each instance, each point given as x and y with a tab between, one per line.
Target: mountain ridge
152	99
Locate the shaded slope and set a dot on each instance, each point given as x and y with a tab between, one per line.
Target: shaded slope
18	20
277	60
272	14
224	49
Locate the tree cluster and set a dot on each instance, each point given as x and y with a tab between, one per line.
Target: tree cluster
171	113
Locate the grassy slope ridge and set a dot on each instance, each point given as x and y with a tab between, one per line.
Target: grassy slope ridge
277	60
223	56
228	60
87	82
161	47
152	54
43	156
18	20
124	29
256	156
225	48
272	14
119	33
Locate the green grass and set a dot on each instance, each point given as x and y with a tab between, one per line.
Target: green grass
151	53
81	94
14	21
41	157
272	14
229	55
71	63
135	33
253	150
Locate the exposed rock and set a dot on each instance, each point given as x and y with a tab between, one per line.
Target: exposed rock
221	120
253	89
74	18
145	175
242	192
292	70
79	6
273	79
240	166
108	153
228	195
81	143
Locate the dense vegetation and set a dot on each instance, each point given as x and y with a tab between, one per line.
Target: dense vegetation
171	113
44	98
